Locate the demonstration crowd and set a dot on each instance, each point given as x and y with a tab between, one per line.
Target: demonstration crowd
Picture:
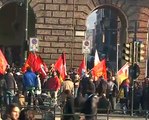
77	93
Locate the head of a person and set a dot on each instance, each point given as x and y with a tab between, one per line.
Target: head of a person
104	95
68	77
113	78
67	92
76	77
51	66
86	75
9	70
54	74
29	68
13	111
27	114
101	78
146	80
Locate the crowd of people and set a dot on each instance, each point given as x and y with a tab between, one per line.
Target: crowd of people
77	93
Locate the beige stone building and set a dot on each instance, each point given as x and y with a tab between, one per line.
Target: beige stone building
60	24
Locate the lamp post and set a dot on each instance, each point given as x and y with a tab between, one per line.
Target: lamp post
26	25
133	62
26	21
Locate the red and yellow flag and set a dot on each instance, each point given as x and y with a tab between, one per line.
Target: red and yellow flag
100	70
123	73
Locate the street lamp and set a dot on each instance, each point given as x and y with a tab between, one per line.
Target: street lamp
27	2
133	63
26	21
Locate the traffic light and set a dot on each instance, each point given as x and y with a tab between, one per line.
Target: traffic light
127	52
140	51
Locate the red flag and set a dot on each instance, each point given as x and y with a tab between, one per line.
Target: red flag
60	65
3	63
36	63
100	70
82	67
43	69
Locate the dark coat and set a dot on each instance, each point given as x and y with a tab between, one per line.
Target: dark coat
19	81
103	105
102	87
145	97
90	107
79	102
69	108
10	81
83	86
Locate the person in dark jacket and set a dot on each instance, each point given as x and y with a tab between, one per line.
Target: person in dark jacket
79	102
90	106
68	109
137	96
10	86
102	86
85	84
145	95
103	104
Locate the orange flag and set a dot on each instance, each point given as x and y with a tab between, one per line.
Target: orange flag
60	65
3	63
30	62
100	70
82	67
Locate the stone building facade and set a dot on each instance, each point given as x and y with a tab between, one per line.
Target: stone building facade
57	22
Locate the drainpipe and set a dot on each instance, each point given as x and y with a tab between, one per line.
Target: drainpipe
27	2
147	51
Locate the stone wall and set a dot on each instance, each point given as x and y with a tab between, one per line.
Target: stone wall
55	29
58	20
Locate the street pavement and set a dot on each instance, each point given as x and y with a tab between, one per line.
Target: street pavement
101	117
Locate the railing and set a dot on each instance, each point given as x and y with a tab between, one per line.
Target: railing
56	113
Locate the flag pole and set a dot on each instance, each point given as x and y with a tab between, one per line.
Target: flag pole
85	57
